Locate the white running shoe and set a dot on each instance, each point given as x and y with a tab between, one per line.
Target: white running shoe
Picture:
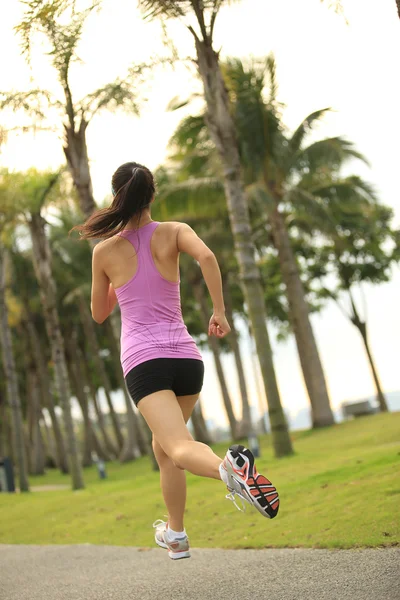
244	481
177	547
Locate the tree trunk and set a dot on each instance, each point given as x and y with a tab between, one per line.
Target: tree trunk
380	396
201	432
93	344
130	448
222	131
110	449
80	395
213	343
398	7
37	446
260	395
75	150
362	328
3	427
139	432
83	395
50	447
245	426
10	372
48	400
299	315
42	265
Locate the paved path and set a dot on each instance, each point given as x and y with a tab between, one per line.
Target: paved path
104	573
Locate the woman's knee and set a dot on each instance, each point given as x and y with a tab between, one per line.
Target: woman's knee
162	458
178	451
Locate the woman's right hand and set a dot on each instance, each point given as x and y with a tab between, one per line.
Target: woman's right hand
218	326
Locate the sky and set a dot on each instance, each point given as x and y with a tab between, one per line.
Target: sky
323	60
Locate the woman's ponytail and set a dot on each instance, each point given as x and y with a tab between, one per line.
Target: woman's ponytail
133	190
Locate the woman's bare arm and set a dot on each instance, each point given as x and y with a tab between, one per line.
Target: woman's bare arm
103	293
190	243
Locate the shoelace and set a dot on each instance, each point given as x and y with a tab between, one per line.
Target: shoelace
158	523
231	496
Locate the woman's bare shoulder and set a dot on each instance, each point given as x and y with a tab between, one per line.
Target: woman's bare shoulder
102	249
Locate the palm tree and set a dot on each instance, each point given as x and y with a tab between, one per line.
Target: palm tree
27	194
62	25
42	264
35	332
272	161
46	395
222	131
362	248
10	372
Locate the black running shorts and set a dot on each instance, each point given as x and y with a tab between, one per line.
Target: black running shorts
184	376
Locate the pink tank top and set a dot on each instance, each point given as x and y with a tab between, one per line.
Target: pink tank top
151	315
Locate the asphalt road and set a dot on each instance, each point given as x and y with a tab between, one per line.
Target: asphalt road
104	573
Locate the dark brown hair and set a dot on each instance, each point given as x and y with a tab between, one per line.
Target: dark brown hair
133	190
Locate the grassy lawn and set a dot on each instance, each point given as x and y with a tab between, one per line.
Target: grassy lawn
340	490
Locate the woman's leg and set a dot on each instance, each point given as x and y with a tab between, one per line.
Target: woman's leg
165	419
172	478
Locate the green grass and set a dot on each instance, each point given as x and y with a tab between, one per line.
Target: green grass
340	490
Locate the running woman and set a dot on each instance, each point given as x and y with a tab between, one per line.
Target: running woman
137	265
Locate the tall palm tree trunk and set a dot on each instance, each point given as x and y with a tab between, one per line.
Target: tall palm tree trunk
11	376
246	425
222	131
75	150
37	444
42	265
79	393
213	342
48	400
92	443
3	426
50	447
130	446
260	395
109	446
362	328
201	432
139	432
93	344
299	315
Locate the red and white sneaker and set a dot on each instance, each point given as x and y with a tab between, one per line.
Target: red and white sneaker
244	481
177	547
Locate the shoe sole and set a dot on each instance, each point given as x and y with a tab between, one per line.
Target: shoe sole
259	489
179	555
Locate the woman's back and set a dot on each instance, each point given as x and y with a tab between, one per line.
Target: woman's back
120	260
142	265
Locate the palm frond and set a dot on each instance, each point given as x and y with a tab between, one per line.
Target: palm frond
309	209
171	9
118	94
179	8
44	16
259	199
297	139
256	118
35	103
348	190
192	198
325	155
